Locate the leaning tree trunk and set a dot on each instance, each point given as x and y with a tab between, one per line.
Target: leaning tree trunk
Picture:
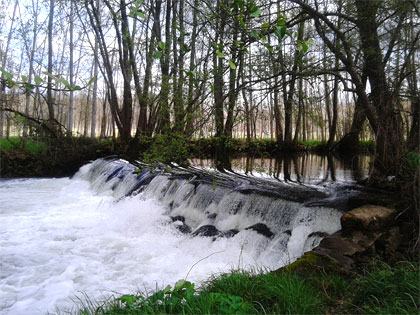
389	144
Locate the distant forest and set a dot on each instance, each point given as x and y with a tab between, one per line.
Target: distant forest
330	70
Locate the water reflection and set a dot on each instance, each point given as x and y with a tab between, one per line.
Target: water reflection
302	168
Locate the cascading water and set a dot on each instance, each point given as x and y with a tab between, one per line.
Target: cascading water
112	230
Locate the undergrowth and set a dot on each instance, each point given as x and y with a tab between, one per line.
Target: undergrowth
382	289
30	145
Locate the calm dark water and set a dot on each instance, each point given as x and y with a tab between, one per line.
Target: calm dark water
308	168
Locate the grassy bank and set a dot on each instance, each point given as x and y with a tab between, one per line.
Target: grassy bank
382	289
48	157
31	145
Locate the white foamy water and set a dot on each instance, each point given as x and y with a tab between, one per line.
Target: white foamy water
59	239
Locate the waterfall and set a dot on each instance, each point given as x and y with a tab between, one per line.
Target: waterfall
212	208
115	228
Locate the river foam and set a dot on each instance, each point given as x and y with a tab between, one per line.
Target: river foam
60	240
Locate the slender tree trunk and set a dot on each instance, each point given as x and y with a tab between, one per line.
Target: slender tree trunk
50	100
189	112
164	123
71	100
31	65
95	87
3	64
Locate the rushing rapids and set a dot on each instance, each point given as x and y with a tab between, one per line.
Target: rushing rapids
115	229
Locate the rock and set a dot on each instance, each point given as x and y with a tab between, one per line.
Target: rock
178	218
389	241
366	231
183	228
262	229
206	230
179	222
317	234
230	233
212	216
318	262
368	217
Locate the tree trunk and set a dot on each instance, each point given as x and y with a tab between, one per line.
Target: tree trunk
50	101
70	114
2	79
389	144
95	87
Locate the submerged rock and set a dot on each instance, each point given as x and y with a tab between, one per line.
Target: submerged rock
262	229
212	216
230	233
206	230
178	218
179	221
183	228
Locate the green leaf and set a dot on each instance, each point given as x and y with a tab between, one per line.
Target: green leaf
219	54
255	12
29	87
179	284
157	54
161	45
254	34
77	88
232	64
91	81
129	299
49	75
212	87
167	290
280	32
238	43
8	75
38	80
281	20
65	83
304	47
269	47
241	21
185	48
24	78
265	26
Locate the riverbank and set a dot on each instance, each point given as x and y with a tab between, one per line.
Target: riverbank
46	158
379	289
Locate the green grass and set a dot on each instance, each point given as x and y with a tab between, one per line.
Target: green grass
311	143
389	290
17	144
382	289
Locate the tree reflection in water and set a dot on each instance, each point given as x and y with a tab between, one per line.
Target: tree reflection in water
305	168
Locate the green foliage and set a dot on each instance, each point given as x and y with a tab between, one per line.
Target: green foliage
383	289
31	145
269	293
167	149
411	160
181	299
389	290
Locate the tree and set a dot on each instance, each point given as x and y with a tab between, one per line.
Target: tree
2	77
380	105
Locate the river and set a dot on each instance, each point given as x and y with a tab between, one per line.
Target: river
64	239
